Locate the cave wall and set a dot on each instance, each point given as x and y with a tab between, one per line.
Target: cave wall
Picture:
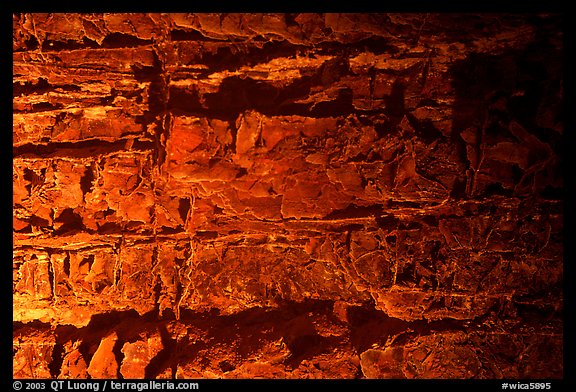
287	196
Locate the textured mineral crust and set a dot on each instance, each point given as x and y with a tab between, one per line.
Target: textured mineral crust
287	196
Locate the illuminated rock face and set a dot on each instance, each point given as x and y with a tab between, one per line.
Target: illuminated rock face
287	196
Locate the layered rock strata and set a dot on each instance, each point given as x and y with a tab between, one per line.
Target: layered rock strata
287	196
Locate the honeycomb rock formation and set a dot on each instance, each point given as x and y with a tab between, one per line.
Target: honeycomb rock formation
287	196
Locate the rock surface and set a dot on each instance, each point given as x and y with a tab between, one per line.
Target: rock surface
287	196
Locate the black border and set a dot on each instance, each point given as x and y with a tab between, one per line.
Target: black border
316	385
568	163
6	210
356	6
321	6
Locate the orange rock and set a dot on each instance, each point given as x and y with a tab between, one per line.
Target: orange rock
103	363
